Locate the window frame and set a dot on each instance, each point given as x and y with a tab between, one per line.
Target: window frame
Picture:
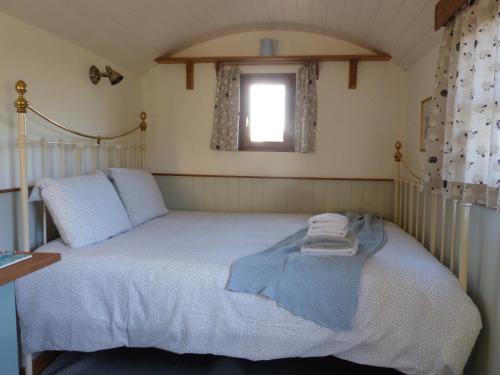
246	80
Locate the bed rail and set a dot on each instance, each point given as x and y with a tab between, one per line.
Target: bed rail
101	154
79	150
98	138
416	212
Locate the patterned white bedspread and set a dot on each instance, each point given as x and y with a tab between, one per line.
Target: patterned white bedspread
162	285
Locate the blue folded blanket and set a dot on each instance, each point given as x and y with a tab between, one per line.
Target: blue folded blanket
321	289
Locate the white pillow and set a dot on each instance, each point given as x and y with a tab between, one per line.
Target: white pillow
139	193
85	209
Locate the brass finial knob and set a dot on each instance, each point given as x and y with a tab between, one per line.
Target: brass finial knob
397	154
21	87
21	103
143	117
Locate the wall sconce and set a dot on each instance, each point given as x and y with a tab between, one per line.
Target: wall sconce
113	75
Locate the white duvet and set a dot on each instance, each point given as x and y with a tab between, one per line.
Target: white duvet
162	285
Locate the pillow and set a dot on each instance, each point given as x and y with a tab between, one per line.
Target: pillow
85	209
139	193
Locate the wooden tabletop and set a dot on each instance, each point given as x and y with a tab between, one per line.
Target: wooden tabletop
25	267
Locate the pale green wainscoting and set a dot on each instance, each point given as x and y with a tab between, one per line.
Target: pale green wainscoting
278	195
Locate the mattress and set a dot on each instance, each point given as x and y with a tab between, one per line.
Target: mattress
162	285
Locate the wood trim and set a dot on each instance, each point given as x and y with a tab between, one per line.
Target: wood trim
41	361
36	262
353	74
11	190
445	10
297	59
14	189
276	177
190	75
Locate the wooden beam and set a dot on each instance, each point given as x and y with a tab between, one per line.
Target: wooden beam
189	75
271	59
353	74
250	60
445	10
273	177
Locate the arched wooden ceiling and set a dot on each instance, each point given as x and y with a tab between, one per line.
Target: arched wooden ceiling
134	32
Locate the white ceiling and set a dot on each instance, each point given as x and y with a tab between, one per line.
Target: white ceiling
132	32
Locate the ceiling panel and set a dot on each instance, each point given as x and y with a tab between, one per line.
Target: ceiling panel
275	12
335	12
134	32
365	20
319	15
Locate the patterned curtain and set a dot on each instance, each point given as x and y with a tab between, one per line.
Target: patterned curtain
306	110
463	157
227	110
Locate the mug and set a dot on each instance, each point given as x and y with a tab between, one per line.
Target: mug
268	46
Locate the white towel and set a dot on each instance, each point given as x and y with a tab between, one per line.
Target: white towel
321	229
333	218
327	224
332	252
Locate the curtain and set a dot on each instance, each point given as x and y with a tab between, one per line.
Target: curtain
227	110
463	158
306	110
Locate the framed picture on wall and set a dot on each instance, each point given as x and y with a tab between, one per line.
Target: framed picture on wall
425	115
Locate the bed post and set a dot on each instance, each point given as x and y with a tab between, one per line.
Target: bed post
397	159
463	263
22	106
143	126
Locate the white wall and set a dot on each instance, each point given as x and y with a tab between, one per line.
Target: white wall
355	133
57	75
420	78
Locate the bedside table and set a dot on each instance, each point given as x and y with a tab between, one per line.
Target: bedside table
9	361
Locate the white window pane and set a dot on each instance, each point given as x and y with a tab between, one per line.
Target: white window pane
267	112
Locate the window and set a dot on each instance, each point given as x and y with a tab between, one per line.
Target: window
267	112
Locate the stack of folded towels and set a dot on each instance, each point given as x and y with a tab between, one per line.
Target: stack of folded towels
329	234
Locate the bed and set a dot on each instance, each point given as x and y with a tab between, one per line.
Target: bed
162	285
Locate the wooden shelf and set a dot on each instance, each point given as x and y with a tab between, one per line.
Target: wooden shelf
252	60
271	59
25	267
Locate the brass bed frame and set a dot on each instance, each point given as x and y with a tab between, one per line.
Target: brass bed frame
411	207
126	155
410	204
